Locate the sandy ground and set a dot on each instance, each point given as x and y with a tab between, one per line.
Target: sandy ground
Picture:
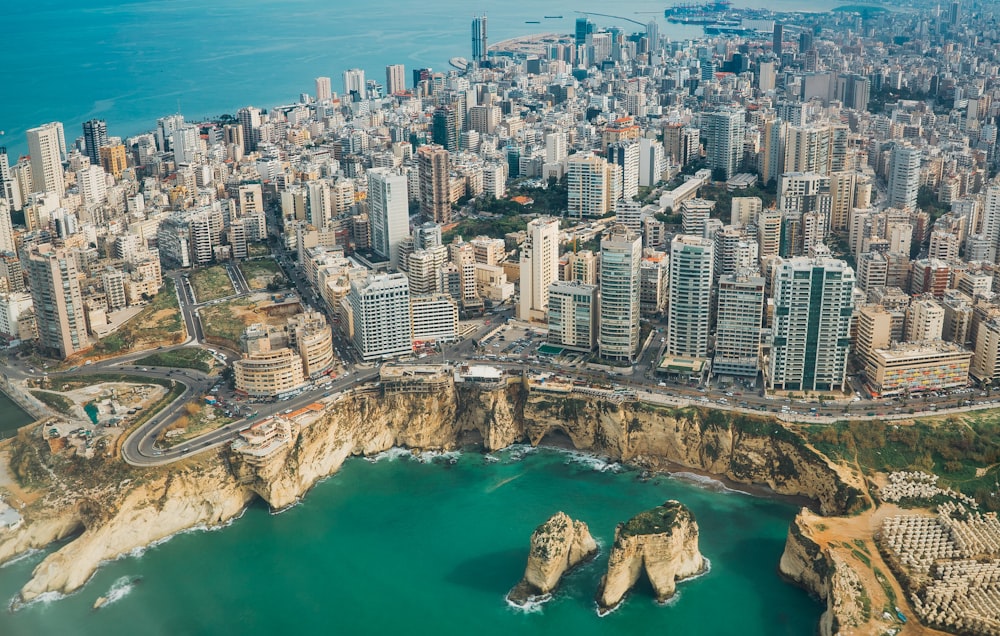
844	530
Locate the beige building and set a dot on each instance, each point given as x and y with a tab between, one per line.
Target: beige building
917	367
312	338
986	360
924	320
277	361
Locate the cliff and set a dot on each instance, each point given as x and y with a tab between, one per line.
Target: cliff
557	546
663	543
746	449
147	505
127	518
826	574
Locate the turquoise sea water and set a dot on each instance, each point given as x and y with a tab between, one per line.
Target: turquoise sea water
131	62
401	546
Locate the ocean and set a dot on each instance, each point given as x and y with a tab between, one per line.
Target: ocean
133	62
432	547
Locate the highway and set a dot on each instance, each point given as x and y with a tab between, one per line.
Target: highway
139	448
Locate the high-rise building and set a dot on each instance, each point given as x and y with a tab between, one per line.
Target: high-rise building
92	184
573	311
777	39
724	150
380	308
354	84
584	27
681	143
95	137
55	293
765	76
738	325
807	149
395	79
690	296
435	188
625	154
113	159
991	223
539	267
46	161
388	212
618	326
324	89
480	41
772	158
592	184
924	320
813	305
10	188
6	229
904	176
249	118
444	128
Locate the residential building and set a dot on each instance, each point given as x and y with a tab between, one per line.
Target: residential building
813	305
618	326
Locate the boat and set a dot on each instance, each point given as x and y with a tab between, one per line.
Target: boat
553	17
532	21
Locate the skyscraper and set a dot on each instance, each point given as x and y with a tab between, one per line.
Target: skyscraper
592	186
46	162
904	176
625	154
777	39
621	255
354	83
584	27
991	222
388	212
435	188
395	79
324	90
690	305
480	42
95	137
58	303
813	305
738	323
725	141
249	118
10	189
380	308
539	267
444	128
6	228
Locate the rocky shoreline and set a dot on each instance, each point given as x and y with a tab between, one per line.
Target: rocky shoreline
147	505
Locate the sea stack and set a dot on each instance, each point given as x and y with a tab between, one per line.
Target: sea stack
664	541
557	546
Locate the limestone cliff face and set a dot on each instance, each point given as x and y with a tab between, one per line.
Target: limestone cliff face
147	512
160	502
663	542
823	573
743	448
557	546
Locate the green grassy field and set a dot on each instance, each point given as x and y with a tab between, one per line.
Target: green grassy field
211	283
260	272
187	358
